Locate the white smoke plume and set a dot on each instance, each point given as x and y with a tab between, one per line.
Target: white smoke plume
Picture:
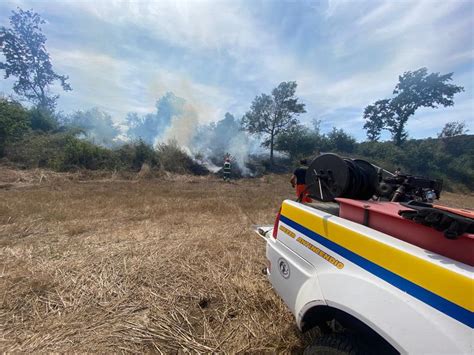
181	129
179	121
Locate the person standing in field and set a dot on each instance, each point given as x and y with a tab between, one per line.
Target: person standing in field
227	168
298	180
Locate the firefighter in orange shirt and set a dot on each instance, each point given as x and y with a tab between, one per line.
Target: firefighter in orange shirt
298	180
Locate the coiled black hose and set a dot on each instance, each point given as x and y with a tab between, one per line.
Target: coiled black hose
330	176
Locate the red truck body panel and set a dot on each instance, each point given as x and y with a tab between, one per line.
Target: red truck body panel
384	217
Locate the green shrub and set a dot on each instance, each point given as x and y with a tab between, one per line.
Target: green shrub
450	159
340	141
37	150
42	120
176	160
133	155
13	122
80	153
60	151
299	142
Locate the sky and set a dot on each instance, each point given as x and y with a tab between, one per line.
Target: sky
121	56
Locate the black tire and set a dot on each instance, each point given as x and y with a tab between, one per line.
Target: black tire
337	344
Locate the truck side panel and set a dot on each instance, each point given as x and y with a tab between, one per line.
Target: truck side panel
299	270
384	284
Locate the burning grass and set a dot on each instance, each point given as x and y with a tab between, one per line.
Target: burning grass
165	265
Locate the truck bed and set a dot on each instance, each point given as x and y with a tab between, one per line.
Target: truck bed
329	207
383	217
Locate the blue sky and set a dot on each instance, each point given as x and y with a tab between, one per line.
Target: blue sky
122	56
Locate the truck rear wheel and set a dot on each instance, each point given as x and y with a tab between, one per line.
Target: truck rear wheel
337	344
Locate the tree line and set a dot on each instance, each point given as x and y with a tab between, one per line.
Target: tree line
275	116
80	139
31	139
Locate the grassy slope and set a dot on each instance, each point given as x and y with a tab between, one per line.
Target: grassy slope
141	265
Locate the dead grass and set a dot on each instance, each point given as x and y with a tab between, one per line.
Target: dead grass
459	200
162	265
159	265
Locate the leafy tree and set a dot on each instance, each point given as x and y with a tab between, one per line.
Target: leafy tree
42	120
271	115
26	59
13	122
316	126
341	141
299	142
414	90
376	115
452	129
216	138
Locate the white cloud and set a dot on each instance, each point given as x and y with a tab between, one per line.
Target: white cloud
357	58
333	6
381	11
429	122
395	37
422	15
190	24
119	86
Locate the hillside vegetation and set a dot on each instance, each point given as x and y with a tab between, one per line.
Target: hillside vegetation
37	139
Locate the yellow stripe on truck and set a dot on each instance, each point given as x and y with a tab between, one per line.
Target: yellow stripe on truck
445	283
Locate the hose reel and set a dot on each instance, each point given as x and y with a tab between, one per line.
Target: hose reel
330	176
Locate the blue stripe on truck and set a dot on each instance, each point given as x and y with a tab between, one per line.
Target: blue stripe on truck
441	304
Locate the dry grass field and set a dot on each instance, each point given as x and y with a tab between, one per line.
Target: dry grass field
162	265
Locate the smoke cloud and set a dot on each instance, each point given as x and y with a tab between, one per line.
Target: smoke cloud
97	126
175	120
151	127
181	128
179	121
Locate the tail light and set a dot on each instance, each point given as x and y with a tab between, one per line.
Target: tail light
275	225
